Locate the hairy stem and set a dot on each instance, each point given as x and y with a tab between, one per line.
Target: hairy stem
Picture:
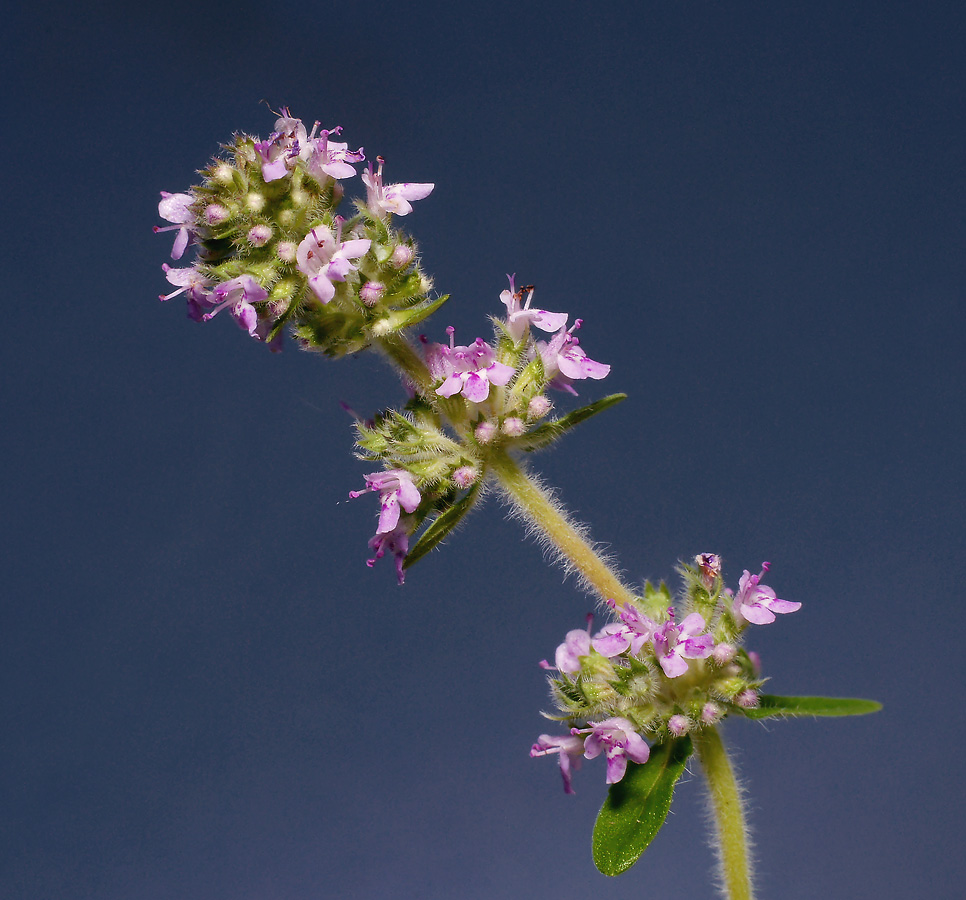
404	357
729	817
540	510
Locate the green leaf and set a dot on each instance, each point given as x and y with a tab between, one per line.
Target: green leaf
636	807
406	318
442	525
769	706
546	434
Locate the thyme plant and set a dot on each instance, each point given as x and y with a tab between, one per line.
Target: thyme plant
649	688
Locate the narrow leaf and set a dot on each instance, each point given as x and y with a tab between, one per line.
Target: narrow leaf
636	807
769	706
405	318
442	525
547	433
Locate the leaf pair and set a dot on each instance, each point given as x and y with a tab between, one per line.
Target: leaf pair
636	807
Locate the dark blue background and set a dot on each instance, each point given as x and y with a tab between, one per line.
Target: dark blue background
757	208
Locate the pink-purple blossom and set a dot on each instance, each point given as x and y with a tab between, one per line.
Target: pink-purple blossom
324	258
396	489
176	208
466	370
520	316
564	361
675	644
756	602
391	198
618	740
395	542
631	633
569	749
237	296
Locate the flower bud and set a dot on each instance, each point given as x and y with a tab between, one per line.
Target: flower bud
464	476
286	251
255	201
485	432
370	292
215	213
402	256
513	426
538	406
747	699
678	725
223	173
259	235
710	713
724	653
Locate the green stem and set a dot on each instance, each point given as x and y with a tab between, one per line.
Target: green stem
729	817
404	357
537	506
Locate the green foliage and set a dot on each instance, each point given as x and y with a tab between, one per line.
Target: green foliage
636	807
544	435
442	525
770	706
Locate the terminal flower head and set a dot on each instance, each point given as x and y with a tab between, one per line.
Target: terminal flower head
756	602
391	198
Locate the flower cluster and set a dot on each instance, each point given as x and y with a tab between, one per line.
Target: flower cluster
271	250
649	673
272	253
478	399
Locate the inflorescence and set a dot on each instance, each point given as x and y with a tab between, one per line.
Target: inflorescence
272	252
657	674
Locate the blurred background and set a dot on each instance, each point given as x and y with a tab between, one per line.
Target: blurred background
757	209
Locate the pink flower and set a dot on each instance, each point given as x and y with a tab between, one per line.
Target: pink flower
395	542
520	317
633	632
619	741
237	296
675	644
565	362
324	258
467	370
392	198
757	603
331	158
569	749
396	489
176	208
283	147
